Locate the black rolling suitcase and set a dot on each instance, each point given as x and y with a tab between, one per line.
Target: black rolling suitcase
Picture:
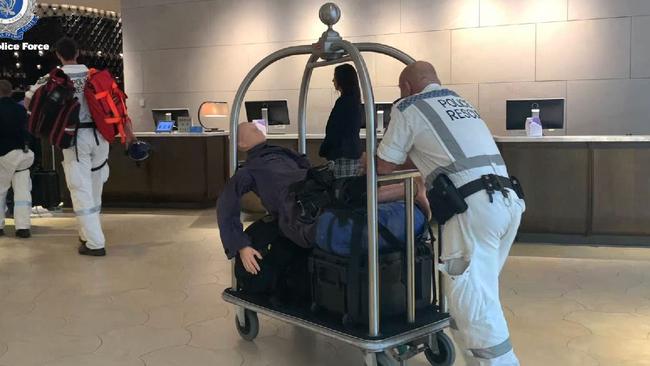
45	187
341	287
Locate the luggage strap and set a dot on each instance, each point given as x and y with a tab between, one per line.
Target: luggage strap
354	290
490	183
100	166
87	125
81	125
117	118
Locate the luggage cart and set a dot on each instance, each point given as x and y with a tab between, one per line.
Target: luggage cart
398	339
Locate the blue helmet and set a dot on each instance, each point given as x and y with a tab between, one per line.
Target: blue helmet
139	150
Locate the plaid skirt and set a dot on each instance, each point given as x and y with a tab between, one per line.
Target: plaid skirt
347	168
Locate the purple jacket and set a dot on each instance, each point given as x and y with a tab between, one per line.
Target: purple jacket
269	171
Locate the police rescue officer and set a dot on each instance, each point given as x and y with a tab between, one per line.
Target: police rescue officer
15	161
451	146
85	164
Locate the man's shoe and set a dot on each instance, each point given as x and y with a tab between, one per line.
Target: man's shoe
84	250
23	233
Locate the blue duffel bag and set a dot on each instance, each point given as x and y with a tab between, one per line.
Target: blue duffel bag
337	229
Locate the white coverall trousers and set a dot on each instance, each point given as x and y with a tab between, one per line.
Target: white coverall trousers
86	170
14	172
476	244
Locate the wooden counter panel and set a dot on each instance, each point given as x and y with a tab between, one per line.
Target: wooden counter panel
127	180
555	178
621	189
181	172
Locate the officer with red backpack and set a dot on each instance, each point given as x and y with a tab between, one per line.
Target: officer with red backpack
15	161
81	110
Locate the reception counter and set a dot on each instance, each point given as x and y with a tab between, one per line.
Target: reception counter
184	170
579	189
583	189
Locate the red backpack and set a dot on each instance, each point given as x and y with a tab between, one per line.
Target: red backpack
55	111
106	103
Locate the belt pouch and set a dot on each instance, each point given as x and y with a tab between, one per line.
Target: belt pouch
516	186
445	199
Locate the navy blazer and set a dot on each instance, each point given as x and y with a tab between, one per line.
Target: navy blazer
342	132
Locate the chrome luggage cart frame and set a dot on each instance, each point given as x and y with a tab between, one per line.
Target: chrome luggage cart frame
418	334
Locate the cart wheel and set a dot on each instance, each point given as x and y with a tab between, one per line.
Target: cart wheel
251	326
347	320
446	352
384	360
314	307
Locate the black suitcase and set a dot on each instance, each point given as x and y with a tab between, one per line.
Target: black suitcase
45	189
333	291
283	277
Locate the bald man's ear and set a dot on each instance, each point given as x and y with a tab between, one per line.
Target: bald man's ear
405	89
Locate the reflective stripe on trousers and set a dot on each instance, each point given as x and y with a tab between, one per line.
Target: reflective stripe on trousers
88	211
494	351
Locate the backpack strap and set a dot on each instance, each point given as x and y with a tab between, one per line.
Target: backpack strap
354	293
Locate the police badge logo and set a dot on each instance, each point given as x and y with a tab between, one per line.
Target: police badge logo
16	17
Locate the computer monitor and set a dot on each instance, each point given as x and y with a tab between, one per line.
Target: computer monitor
381	110
169	114
551	113
275	112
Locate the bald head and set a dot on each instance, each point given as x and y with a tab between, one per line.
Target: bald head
5	88
249	136
416	76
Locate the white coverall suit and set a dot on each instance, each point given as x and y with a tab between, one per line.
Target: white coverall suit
14	173
85	166
443	133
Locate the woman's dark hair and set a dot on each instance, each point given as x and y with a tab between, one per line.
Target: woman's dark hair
67	48
347	80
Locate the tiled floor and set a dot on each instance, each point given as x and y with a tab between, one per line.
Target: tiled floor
155	300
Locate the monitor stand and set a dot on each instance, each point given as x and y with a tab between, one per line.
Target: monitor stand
379	124
516	133
545	132
273	129
277	129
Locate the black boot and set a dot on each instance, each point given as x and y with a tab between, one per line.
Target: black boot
84	250
23	233
2	232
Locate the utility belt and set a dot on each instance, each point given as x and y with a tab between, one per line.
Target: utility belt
87	125
446	200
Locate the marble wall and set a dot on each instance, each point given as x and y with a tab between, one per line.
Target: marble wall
594	53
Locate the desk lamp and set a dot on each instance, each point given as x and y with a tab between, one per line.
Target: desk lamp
211	109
